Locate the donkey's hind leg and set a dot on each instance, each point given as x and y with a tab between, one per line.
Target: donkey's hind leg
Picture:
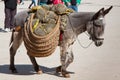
36	66
17	40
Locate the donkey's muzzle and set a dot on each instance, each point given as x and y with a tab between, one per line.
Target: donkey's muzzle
98	43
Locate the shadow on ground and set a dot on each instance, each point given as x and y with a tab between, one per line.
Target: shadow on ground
1	30
28	70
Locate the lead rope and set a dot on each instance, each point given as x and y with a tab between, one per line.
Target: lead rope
83	46
78	39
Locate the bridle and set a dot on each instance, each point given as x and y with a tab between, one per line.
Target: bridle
92	32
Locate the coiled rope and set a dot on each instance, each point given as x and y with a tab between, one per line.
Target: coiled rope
40	46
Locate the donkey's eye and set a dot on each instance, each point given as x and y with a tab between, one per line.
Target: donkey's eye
99	22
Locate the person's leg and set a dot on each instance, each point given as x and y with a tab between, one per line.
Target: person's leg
75	8
22	2
38	3
13	13
30	5
34	2
7	18
69	6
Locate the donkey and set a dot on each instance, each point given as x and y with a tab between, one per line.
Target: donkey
77	23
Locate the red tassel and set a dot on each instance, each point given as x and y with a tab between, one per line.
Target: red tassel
61	36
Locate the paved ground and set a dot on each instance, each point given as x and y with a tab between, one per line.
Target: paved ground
93	63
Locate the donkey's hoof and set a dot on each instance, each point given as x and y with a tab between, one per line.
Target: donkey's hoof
66	75
39	72
13	70
58	69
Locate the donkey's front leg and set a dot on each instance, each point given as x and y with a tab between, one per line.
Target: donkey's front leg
36	66
66	59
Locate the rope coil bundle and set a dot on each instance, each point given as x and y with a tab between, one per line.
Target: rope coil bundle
40	46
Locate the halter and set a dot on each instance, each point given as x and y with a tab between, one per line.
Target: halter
94	23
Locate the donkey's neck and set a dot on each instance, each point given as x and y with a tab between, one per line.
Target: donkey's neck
79	20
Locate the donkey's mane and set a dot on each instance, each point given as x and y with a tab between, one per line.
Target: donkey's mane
80	18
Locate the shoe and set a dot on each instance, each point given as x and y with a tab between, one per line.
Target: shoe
11	30
6	29
22	3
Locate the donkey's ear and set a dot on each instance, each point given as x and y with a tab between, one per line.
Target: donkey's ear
98	13
107	10
102	9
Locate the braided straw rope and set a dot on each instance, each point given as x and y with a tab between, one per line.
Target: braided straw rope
40	46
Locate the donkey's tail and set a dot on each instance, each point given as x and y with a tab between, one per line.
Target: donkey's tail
12	36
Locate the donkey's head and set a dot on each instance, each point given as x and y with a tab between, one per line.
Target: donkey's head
96	26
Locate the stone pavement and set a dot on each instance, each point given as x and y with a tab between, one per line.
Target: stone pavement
92	63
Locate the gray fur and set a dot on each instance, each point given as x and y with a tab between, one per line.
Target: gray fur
20	18
77	23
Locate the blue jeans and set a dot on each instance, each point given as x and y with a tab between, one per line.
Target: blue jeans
74	7
42	2
33	2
